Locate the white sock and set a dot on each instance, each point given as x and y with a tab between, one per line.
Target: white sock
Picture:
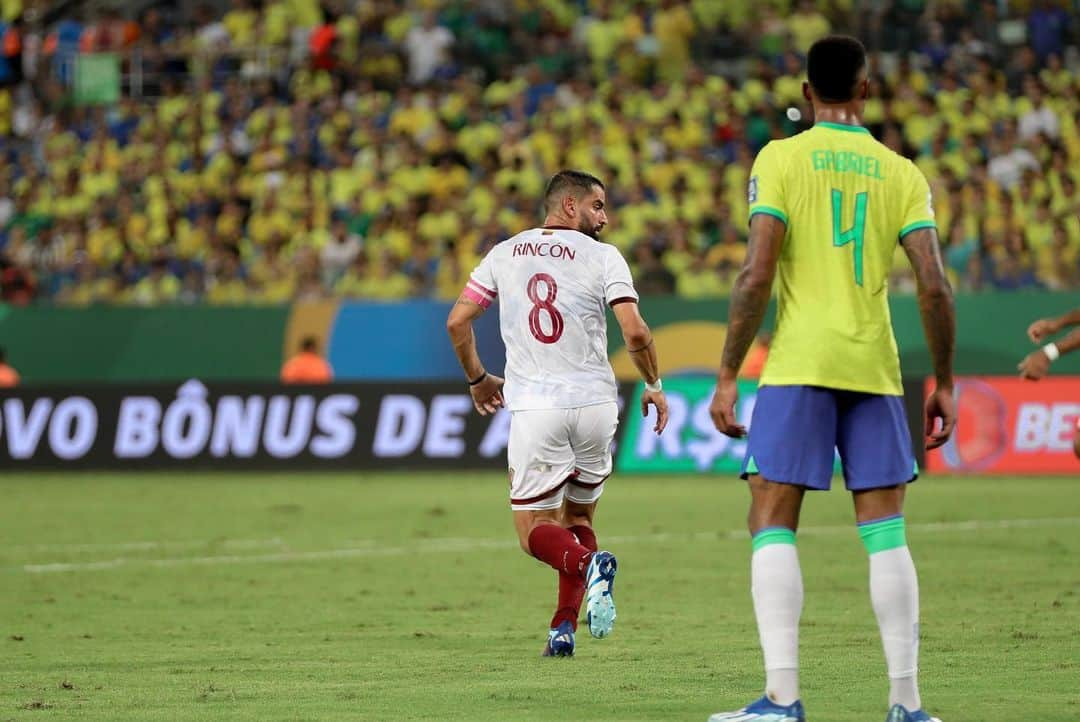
776	585
894	592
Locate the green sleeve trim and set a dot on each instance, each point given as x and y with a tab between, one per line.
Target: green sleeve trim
883	535
772	535
914	227
769	211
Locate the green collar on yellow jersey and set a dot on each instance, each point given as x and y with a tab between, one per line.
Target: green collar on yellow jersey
841	126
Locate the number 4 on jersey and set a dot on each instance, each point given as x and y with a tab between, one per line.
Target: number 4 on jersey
856	233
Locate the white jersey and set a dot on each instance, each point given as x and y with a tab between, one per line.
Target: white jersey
553	286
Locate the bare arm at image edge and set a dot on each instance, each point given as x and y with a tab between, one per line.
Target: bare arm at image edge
1042	329
1036	364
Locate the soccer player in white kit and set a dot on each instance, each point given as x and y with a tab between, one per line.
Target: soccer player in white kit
553	285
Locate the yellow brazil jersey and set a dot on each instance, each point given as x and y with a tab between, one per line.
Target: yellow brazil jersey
846	200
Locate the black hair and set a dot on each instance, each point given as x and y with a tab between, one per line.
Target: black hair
833	66
580	182
310	344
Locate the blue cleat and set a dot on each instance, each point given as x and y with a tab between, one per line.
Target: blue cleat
763	710
599	581
899	713
560	641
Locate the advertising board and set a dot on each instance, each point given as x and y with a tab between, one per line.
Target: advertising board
1009	425
249	426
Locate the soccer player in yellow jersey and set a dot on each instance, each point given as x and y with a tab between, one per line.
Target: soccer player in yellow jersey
826	210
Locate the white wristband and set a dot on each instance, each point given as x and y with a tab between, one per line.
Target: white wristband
1051	351
654	387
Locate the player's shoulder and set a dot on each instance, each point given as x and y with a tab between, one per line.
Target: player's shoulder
775	154
907	168
781	147
777	145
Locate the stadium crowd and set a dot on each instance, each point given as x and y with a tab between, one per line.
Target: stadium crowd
291	150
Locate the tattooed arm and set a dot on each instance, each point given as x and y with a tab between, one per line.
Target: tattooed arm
749	300
939	325
750	296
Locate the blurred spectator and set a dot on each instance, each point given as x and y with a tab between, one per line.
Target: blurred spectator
339	252
158	286
653	278
11	52
212	33
1048	26
110	32
9	377
450	276
17	283
1059	265
7	203
1023	64
1012	266
427	46
1008	161
807	25
903	22
241	22
1040	118
700	280
935	49
673	26
307	366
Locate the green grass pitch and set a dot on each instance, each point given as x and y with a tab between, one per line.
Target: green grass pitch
405	597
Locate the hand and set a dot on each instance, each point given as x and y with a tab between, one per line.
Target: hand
487	395
940	405
1042	329
1035	365
657	399
722	409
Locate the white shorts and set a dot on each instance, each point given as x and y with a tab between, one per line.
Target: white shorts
560	453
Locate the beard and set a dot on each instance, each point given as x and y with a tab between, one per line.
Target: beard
589	229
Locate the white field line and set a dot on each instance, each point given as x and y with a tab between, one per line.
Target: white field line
237	544
367	548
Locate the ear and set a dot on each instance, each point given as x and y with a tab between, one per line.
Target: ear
806	91
864	89
569	205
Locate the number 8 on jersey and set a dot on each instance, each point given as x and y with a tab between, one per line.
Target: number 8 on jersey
546	303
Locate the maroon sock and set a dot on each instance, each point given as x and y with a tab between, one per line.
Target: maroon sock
586	536
572	587
559	549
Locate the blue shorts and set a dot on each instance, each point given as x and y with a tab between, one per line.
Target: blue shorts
796	430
